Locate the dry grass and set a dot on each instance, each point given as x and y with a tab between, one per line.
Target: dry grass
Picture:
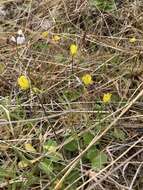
66	122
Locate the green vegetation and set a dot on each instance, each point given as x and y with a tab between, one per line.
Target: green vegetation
71	95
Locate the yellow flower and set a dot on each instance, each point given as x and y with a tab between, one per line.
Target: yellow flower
73	49
23	82
132	40
87	79
23	164
45	34
107	98
28	147
56	38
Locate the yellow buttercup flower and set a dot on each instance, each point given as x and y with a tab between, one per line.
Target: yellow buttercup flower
56	38
73	49
45	34
132	40
107	98
87	79
23	82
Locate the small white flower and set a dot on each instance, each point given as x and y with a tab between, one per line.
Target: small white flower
2	11
20	40
78	81
20	37
13	39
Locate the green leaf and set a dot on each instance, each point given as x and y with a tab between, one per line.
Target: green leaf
87	138
75	174
99	161
119	134
31	179
50	146
98	107
71	146
46	166
92	153
18	113
39	46
56	156
73	94
104	5
6	173
60	58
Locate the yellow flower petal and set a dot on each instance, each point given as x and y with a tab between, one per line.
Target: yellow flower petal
56	38
45	34
23	164
107	98
132	40
73	49
23	82
87	79
29	147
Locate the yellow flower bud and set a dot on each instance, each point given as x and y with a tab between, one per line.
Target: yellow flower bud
23	82
23	164
132	40
45	34
87	79
56	38
107	98
28	147
73	49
